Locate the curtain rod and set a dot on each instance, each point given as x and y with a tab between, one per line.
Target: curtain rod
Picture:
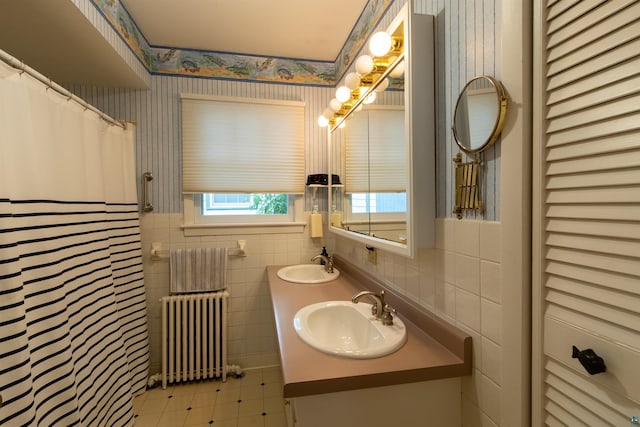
20	65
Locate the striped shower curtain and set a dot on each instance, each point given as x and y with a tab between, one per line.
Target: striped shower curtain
73	333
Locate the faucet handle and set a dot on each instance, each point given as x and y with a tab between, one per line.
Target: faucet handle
387	314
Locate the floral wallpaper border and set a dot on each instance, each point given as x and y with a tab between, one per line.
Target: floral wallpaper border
221	65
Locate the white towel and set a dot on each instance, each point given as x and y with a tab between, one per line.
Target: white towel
198	270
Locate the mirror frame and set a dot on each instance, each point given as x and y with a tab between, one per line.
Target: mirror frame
501	100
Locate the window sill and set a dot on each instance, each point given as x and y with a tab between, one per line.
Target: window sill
191	230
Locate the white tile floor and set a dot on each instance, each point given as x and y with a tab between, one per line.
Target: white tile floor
254	400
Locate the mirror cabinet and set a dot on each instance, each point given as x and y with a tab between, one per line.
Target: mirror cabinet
384	152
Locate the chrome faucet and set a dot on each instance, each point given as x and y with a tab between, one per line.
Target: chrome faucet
328	262
379	309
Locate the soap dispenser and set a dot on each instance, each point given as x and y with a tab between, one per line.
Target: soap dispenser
315	222
325	253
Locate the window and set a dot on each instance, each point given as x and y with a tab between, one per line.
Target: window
244	204
378	203
243	160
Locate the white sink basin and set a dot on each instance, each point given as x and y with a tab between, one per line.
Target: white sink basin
345	329
307	273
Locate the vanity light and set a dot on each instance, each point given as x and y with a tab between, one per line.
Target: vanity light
364	65
382	86
343	94
335	105
370	76
398	71
370	98
352	81
380	43
323	122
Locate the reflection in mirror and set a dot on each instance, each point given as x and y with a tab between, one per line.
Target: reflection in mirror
373	149
479	114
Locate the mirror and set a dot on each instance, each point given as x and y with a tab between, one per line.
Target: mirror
477	122
386	195
370	152
479	114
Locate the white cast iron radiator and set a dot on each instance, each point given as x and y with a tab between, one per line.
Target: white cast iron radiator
194	337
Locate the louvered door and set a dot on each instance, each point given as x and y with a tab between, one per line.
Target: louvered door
587	260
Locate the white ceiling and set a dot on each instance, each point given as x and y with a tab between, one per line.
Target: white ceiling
301	29
56	39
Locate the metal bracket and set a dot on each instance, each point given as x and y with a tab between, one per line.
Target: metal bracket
467	186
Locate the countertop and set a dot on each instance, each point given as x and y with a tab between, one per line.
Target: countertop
434	349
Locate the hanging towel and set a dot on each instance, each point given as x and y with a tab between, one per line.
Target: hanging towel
198	270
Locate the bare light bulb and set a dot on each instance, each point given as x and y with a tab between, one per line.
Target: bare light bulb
380	43
398	71
343	94
370	98
335	105
327	113
364	65
382	86
323	122
352	81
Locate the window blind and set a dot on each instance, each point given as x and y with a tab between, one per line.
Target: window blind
375	152
242	145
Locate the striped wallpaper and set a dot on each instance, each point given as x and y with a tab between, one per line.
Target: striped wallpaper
466	47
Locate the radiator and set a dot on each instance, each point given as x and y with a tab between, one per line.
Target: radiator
194	337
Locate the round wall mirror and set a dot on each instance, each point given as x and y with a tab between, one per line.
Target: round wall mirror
479	114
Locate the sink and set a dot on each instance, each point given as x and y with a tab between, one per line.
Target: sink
345	329
307	273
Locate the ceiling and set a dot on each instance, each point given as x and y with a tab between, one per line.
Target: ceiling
56	39
302	29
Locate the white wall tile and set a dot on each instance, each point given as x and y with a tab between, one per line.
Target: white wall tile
490	281
492	360
467	271
468	309
490	399
491	314
490	235
467	237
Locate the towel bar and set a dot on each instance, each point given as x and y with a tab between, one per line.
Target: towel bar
157	252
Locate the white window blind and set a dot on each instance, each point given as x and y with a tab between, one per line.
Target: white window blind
375	152
241	145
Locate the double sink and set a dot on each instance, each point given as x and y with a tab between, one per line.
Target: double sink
342	328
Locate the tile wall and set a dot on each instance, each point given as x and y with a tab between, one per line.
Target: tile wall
459	280
252	333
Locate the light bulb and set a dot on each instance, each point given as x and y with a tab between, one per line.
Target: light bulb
352	81
327	113
382	86
343	94
335	105
323	122
398	71
380	44
370	98
343	124
364	65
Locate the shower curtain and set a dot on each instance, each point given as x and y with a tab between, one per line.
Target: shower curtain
73	331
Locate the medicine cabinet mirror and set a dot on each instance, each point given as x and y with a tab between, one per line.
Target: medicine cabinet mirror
384	154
